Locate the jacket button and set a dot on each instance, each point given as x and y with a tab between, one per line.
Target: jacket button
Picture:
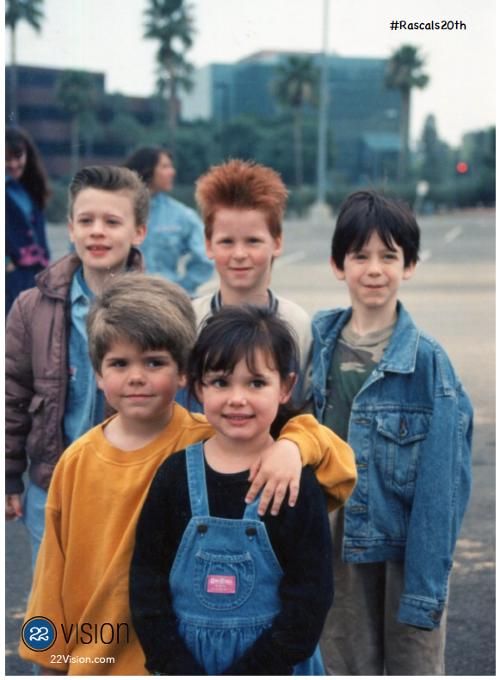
251	531
202	528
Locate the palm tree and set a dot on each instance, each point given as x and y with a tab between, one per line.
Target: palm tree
404	72
170	22
16	11
295	86
76	94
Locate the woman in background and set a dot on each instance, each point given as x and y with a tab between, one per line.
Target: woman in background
174	230
26	194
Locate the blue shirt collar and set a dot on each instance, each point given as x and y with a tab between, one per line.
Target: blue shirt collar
79	288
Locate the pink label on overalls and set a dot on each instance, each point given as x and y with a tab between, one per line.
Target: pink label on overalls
221	585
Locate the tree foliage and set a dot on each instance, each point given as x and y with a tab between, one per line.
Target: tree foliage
170	22
76	92
404	73
17	11
29	11
435	157
295	87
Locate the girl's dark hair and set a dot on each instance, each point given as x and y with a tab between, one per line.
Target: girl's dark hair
34	177
364	212
235	333
144	161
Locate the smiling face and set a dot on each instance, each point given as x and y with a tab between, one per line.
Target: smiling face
140	385
241	406
373	275
15	163
243	249
102	228
163	174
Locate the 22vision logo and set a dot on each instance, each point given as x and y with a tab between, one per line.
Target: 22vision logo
39	633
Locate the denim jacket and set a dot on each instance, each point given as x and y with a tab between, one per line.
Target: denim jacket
174	232
411	431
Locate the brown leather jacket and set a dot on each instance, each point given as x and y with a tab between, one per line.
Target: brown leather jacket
36	373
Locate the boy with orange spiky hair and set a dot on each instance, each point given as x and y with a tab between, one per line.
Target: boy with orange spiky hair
242	205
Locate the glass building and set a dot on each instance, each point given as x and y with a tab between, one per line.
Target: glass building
363	114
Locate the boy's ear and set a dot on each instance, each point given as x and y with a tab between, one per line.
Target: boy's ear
287	388
71	230
278	246
339	273
409	271
182	379
140	234
99	381
208	248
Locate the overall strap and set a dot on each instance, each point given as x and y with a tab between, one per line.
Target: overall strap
195	465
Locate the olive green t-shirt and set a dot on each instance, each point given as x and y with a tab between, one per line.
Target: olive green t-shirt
354	358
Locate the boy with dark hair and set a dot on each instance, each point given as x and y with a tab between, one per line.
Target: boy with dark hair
242	204
391	391
51	395
140	329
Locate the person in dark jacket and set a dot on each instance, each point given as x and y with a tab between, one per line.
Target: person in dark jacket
26	194
51	397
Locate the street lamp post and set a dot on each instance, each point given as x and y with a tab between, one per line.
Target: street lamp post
321	208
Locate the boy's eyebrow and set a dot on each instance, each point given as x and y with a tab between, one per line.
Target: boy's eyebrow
157	352
113	357
392	249
147	352
84	213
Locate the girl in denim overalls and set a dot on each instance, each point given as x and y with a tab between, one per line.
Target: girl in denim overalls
215	589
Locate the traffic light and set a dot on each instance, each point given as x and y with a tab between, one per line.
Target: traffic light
462	167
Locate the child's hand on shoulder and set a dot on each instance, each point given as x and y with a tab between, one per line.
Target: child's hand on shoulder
278	470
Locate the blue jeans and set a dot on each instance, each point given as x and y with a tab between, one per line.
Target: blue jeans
34	517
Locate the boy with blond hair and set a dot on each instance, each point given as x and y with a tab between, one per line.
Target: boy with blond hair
140	331
51	395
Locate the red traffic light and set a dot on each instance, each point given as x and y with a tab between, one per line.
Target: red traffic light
462	167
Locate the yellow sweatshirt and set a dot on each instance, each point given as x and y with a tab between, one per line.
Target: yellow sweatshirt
95	497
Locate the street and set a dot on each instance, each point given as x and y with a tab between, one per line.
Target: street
452	297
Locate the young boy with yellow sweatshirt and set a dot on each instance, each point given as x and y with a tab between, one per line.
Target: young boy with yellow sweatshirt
140	331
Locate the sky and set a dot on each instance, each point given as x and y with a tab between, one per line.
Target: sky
106	36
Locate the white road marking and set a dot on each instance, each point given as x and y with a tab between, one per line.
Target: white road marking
448	238
288	259
453	234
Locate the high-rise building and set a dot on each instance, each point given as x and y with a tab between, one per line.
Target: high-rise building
363	114
43	116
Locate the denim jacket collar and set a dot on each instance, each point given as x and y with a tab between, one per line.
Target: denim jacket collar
401	353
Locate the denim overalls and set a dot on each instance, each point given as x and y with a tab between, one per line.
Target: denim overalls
224	580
